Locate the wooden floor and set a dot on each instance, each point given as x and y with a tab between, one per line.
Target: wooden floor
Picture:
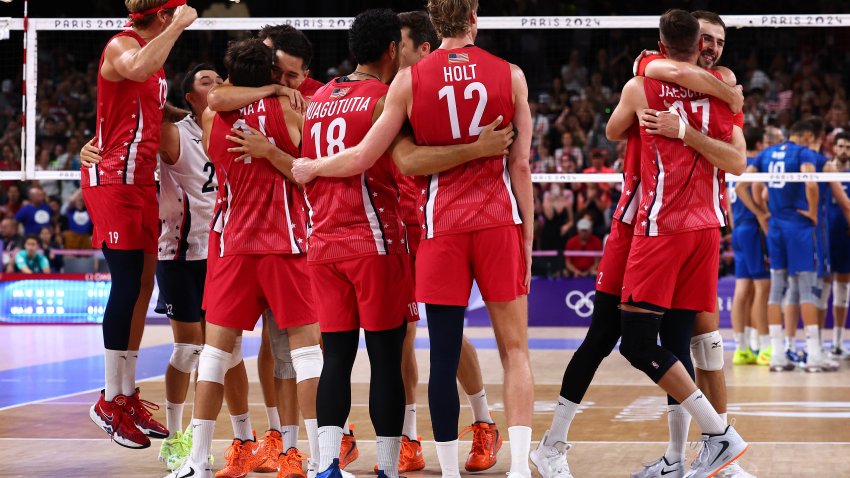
798	424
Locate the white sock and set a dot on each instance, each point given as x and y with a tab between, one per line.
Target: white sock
346	428
700	408
764	342
274	418
312	426
113	362
202	433
173	417
751	337
447	456
480	409
330	439
520	438
565	411
409	427
242	427
128	378
740	343
813	346
388	449
776	339
289	434
789	343
725	417
837	337
679	422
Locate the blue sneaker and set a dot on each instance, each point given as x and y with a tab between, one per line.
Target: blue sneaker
795	357
333	471
381	474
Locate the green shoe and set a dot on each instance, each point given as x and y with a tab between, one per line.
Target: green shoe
183	449
744	357
171	448
764	356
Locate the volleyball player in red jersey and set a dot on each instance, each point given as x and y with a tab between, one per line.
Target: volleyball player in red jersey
120	195
681	205
251	247
471	214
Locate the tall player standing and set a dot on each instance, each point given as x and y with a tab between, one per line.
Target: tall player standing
120	196
839	244
252	247
476	218
680	203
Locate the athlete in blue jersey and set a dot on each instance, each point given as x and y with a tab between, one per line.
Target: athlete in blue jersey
791	240
752	277
839	245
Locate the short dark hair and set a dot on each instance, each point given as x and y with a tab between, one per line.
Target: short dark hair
249	63
709	17
421	28
188	83
845	135
817	124
289	40
803	126
371	34
33	237
679	32
753	135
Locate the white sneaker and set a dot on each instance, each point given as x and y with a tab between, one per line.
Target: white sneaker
820	363
312	468
717	452
734	470
551	461
780	363
193	470
661	468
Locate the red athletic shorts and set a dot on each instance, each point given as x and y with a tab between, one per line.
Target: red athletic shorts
614	258
446	265
369	292
414	235
241	287
673	272
125	217
213	251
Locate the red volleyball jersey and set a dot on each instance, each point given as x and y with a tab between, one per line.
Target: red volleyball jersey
455	94
681	190
358	215
309	87
129	114
629	202
262	212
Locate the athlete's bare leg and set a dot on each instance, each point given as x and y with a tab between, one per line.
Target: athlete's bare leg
839	310
510	325
761	291
265	368
235	390
711	382
742	302
140	311
792	314
287	401
468	369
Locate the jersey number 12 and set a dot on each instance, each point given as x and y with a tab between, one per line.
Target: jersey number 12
448	92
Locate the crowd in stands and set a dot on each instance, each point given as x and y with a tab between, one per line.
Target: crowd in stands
570	106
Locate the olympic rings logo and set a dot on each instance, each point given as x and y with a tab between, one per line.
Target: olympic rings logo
580	303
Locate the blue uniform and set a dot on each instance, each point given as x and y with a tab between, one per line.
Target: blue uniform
748	242
791	238
839	235
822	228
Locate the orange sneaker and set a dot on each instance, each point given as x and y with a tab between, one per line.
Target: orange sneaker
238	457
486	442
348	451
410	457
265	459
290	464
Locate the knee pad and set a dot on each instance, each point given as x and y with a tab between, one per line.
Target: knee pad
279	340
236	355
214	363
792	293
778	282
810	289
307	362
640	345
185	357
707	351
823	302
841	294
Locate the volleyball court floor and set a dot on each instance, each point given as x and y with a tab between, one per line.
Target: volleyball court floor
798	424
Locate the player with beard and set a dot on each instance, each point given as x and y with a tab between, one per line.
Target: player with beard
839	244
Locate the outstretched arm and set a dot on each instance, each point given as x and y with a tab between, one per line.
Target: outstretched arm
227	97
519	166
359	158
415	160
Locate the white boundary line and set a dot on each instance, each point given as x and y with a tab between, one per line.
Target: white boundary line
594	442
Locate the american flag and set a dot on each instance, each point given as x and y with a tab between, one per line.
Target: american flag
458	57
339	92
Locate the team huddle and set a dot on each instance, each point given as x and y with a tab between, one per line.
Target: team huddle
331	208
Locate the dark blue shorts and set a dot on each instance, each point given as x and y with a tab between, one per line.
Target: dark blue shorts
181	289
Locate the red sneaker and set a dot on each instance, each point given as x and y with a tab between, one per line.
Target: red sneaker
112	418
486	442
410	456
138	411
348	451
